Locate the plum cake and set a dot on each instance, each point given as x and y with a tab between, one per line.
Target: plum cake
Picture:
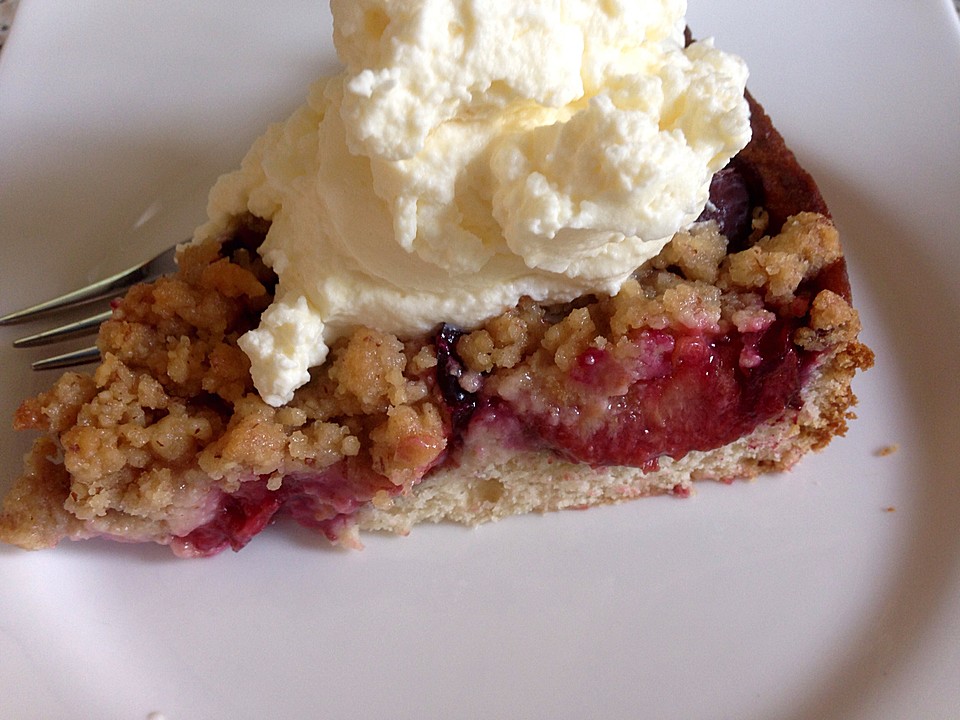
727	355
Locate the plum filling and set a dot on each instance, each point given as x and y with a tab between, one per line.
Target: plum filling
323	501
730	205
675	394
451	372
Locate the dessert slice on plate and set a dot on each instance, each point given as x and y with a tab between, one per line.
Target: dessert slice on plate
228	394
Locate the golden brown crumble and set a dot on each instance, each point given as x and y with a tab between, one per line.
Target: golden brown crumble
173	395
807	243
832	320
504	340
369	374
659	297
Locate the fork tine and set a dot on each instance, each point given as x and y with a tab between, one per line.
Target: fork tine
86	326
161	264
70	359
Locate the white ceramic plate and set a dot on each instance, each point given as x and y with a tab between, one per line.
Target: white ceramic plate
831	592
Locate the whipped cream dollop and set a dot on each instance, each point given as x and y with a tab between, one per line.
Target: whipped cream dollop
470	154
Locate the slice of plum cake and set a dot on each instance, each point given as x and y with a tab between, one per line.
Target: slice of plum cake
728	355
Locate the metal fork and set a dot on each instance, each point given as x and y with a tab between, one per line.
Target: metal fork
162	264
